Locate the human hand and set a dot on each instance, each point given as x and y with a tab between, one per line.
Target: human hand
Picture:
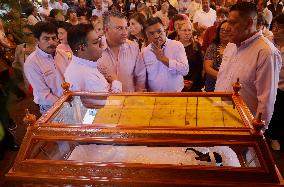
188	84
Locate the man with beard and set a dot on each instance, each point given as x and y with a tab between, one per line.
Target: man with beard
121	58
165	59
40	68
251	58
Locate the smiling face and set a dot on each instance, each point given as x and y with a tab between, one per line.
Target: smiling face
134	27
48	42
156	34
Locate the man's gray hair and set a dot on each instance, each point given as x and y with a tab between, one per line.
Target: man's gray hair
108	14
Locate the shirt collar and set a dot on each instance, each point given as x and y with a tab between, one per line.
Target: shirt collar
248	41
106	47
85	62
43	54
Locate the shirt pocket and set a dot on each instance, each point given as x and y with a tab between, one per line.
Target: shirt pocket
49	77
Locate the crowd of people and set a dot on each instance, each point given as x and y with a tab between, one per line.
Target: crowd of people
145	46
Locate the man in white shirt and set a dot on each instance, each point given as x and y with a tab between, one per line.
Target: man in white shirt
204	17
253	59
82	73
44	10
40	68
121	58
194	6
98	10
163	14
165	59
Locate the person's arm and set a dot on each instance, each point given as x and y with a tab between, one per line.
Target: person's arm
178	65
208	64
140	74
208	61
266	83
41	92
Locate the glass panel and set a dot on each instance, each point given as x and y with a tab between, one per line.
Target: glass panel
132	153
150	111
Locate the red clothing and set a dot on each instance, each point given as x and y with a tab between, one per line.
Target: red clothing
208	37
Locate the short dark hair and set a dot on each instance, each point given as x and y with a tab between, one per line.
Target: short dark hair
152	21
64	25
77	35
43	26
244	8
108	14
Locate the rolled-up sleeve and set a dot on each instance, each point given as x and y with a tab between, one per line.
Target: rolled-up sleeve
42	93
179	65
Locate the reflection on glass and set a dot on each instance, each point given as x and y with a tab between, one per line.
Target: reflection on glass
150	111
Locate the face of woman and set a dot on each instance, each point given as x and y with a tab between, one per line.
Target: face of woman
185	32
134	27
62	35
224	33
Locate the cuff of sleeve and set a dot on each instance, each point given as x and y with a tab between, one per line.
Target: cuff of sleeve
172	65
116	86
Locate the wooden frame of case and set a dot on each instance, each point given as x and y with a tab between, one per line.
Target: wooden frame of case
57	172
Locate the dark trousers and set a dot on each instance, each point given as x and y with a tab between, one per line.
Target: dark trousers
276	125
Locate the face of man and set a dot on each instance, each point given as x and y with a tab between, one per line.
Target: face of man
82	3
238	27
156	34
98	4
205	5
48	42
117	31
93	47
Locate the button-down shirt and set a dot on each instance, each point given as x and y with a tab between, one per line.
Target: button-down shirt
129	69
205	18
42	74
83	75
256	62
162	78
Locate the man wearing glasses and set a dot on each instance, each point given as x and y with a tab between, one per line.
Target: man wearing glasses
121	58
40	68
82	73
165	59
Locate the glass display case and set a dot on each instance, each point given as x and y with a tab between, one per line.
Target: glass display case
145	139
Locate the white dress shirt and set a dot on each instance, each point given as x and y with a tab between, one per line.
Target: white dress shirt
162	78
129	69
83	75
256	63
45	79
96	12
205	18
